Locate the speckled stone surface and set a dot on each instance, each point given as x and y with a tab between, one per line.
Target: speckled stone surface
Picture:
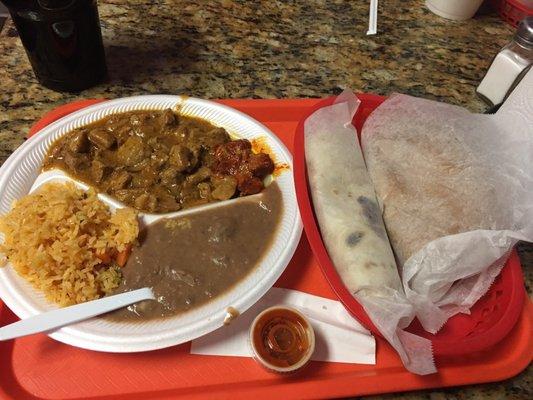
276	49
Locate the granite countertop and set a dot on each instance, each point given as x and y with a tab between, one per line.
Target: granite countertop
276	49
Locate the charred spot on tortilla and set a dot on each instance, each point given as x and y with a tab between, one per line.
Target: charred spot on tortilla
370	265
372	215
354	238
370	209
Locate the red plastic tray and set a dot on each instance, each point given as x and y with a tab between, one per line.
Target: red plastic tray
491	318
38	367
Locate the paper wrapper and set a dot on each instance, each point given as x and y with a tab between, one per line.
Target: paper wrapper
456	192
353	232
339	338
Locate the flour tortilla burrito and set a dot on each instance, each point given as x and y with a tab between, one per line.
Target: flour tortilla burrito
353	231
345	204
428	178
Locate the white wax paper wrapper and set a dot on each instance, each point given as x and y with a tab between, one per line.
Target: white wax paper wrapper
339	337
456	191
352	230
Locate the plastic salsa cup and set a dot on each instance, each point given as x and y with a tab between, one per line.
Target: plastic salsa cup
282	339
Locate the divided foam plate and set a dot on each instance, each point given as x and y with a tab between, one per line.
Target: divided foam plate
21	173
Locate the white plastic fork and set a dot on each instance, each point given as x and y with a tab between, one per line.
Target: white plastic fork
68	315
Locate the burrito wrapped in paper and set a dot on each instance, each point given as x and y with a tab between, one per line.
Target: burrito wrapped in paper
456	191
352	228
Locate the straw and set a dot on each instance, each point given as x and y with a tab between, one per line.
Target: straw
373	18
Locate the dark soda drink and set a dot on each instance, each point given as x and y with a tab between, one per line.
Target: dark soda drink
63	41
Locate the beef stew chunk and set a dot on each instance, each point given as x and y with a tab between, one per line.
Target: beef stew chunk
160	161
237	159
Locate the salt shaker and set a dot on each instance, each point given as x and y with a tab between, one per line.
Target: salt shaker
509	65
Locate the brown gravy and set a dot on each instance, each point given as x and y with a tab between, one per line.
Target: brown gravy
190	260
160	161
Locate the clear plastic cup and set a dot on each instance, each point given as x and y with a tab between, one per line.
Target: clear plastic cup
281	315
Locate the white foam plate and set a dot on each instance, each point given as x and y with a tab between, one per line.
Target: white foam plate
21	173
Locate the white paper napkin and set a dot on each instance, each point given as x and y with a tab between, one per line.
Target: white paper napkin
339	337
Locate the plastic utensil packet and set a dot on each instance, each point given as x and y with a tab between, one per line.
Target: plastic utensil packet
352	229
456	192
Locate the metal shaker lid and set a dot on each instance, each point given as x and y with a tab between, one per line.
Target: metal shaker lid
524	34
